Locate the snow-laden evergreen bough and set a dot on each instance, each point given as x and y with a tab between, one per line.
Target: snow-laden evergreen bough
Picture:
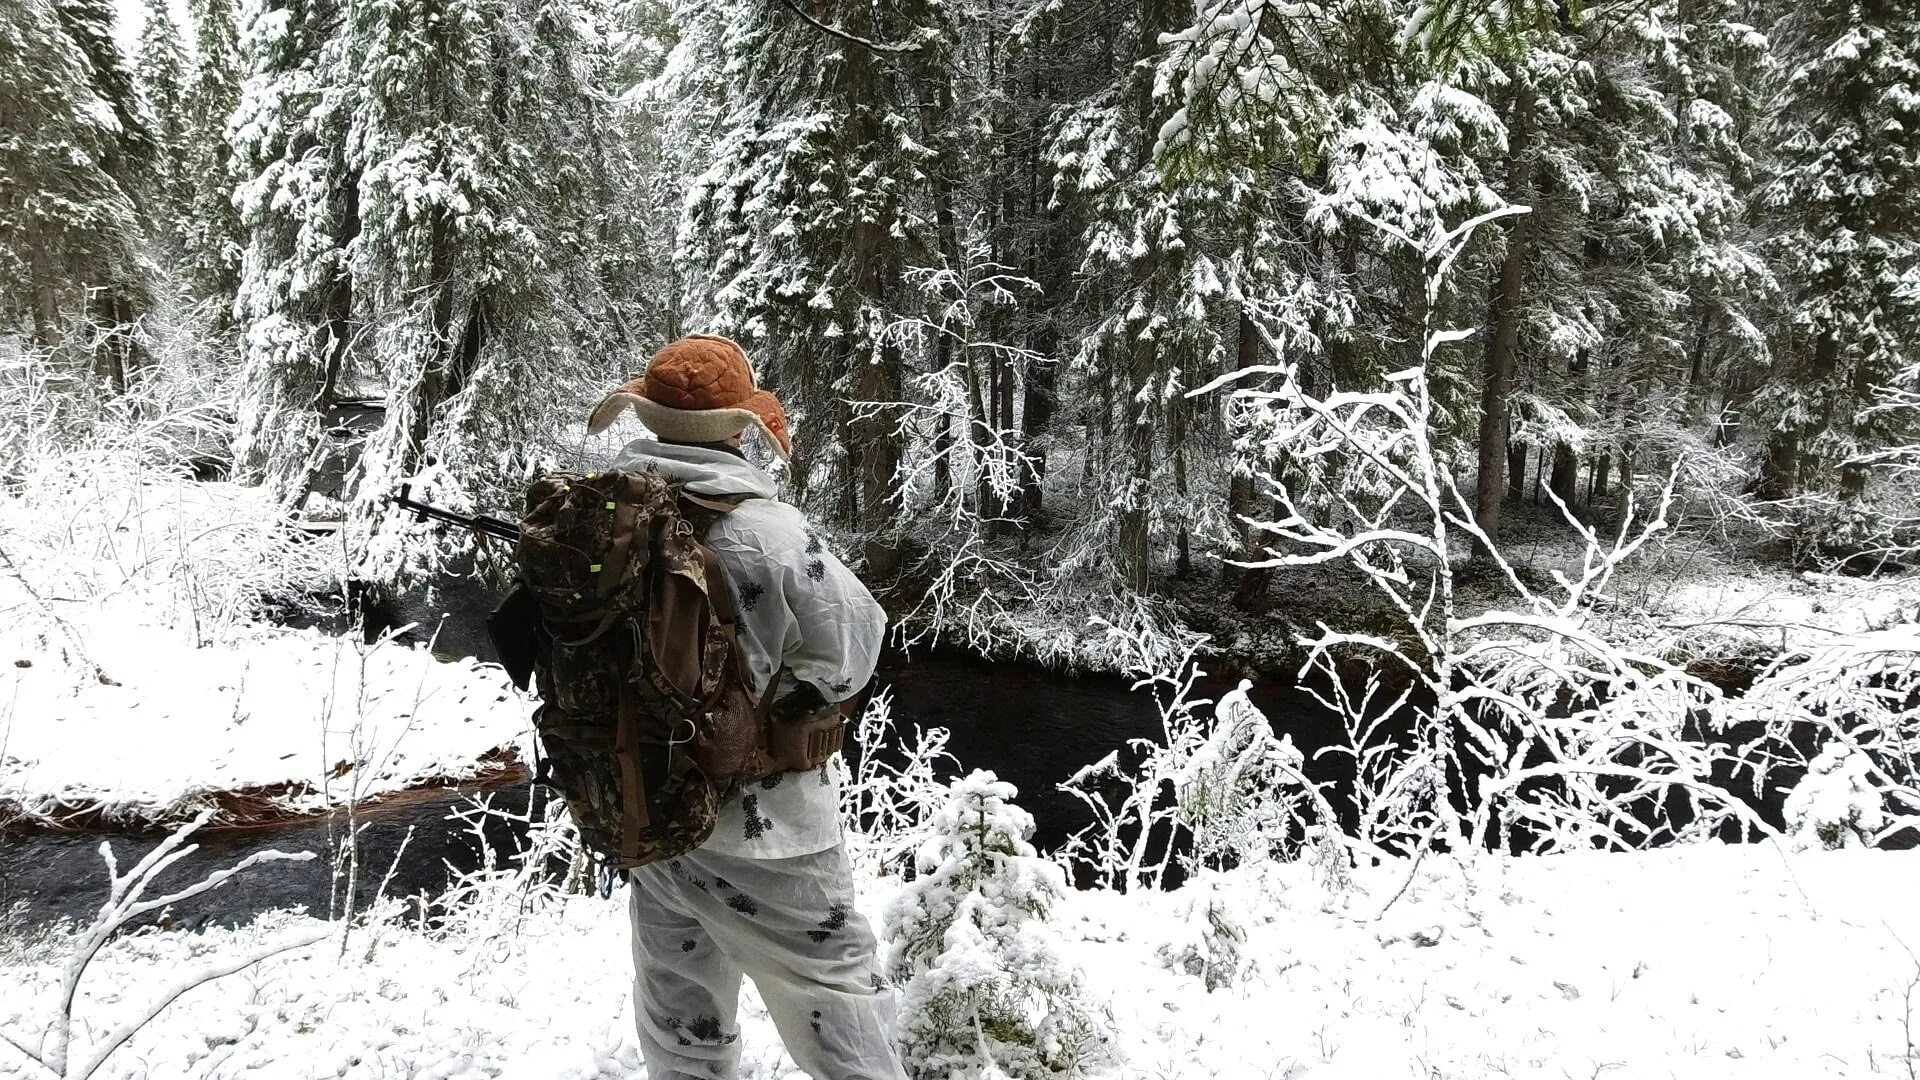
988	993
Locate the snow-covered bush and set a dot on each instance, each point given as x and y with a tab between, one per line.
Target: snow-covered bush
1525	717
1210	941
1133	837
101	509
1848	713
1836	804
1216	789
988	993
502	900
1242	794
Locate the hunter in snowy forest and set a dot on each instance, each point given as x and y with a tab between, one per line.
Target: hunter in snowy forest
959	539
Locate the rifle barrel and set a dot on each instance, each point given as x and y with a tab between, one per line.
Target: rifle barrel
480	523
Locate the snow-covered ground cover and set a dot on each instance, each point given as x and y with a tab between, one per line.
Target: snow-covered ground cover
303	720
1699	962
138	679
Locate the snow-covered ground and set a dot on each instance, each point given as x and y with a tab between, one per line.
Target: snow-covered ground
1696	962
303	718
137	681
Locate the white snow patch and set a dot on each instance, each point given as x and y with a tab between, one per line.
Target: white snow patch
1702	962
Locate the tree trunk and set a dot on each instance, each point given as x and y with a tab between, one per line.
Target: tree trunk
1780	472
339	339
1177	433
943	432
1566	475
1134	552
1503	347
875	448
1778	469
1516	470
1250	585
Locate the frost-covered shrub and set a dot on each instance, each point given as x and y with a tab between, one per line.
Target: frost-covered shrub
987	991
1836	805
1216	789
1238	793
101	509
894	790
1541	729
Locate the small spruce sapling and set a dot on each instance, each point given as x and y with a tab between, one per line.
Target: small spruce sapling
988	994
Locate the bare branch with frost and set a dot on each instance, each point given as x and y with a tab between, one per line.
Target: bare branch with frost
126	901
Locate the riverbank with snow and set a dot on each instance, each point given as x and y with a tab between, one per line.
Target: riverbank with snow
140	681
1699	962
272	723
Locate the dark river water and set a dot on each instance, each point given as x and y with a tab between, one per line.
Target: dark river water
1032	727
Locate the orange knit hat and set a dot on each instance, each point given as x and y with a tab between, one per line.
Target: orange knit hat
698	389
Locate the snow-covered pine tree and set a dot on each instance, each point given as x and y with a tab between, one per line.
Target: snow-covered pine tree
1844	201
987	993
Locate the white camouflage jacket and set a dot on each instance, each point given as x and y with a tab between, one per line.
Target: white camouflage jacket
799	609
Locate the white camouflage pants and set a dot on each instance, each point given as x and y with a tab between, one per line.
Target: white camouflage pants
703	920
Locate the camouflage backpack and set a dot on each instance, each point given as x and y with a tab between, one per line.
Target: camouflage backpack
646	717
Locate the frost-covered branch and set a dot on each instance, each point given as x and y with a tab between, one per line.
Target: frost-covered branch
126	901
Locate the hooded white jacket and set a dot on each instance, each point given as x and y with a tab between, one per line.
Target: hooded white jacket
802	615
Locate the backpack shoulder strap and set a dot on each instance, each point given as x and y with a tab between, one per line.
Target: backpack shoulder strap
716	505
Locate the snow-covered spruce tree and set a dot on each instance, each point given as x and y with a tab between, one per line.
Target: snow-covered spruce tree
802	227
987	993
1148	290
426	214
476	140
213	236
161	71
667	78
1638	256
1314	119
1844	202
68	224
298	204
117	300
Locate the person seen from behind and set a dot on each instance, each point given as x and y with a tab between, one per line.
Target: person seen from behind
769	896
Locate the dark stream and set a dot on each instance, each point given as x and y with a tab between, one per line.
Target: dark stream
1032	727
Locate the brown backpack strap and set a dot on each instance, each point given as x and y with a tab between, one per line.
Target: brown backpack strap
633	788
